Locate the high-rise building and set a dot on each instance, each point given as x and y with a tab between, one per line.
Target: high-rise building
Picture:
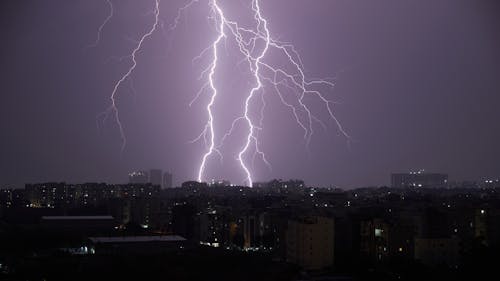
310	242
155	176
419	179
167	180
138	177
374	239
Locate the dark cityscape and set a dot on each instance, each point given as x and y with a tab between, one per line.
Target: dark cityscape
429	228
291	140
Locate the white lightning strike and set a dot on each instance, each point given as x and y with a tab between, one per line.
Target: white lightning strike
256	70
290	80
180	12
296	82
210	124
113	109
101	27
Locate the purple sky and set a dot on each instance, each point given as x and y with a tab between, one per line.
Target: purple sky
418	86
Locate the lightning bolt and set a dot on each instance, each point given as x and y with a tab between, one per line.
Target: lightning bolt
101	27
180	12
256	71
295	82
210	124
289	83
113	109
254	64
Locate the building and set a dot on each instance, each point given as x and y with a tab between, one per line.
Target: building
194	184
138	203
219	183
43	195
156	177
418	179
167	180
437	251
374	239
183	220
79	224
250	224
5	198
382	239
212	230
310	242
486	226
138	177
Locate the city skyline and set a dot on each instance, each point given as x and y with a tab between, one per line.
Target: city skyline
416	86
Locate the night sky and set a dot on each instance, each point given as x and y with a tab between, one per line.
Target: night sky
417	86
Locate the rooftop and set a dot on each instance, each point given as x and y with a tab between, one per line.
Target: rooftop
77	218
131	239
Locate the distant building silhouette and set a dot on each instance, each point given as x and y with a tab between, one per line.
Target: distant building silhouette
194	184
156	177
167	180
219	183
138	203
419	179
138	177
